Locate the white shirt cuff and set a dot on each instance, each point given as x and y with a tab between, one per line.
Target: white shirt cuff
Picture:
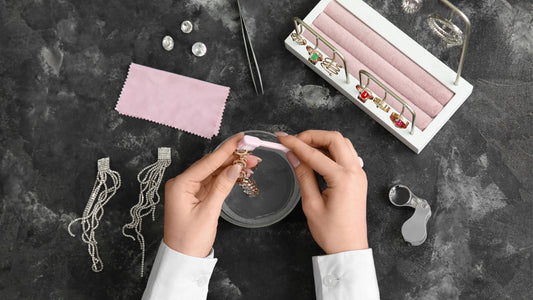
178	276
345	275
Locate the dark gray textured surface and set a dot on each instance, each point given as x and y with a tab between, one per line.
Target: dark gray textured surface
62	65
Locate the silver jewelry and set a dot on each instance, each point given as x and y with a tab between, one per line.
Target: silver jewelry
149	179
199	49
186	26
94	210
450	33
167	43
411	6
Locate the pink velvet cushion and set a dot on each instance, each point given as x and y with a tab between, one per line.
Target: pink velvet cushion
387	51
378	65
354	65
364	49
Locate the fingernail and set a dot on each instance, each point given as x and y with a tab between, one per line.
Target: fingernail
293	160
234	172
361	161
249	172
256	157
280	133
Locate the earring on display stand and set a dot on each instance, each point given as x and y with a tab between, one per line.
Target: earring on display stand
298	39
331	66
364	93
450	34
314	55
399	120
381	104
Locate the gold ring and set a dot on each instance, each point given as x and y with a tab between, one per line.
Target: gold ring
314	55
364	93
380	103
330	66
298	39
398	120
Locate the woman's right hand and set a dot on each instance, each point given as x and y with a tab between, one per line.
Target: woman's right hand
337	216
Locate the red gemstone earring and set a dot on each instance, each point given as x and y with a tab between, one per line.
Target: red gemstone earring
398	120
364	93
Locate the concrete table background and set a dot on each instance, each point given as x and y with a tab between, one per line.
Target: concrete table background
62	65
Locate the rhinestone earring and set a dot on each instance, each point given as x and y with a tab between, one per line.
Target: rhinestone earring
94	210
149	180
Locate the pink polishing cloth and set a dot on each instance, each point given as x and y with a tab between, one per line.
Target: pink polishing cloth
174	100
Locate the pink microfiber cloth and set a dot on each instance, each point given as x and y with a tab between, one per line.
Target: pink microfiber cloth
174	100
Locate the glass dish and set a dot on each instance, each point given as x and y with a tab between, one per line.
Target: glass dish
279	191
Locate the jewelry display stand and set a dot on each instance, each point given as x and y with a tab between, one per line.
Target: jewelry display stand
380	60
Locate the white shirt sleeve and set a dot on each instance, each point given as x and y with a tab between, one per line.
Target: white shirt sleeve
345	275
179	276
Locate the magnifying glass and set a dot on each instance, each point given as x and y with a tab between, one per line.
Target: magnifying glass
414	230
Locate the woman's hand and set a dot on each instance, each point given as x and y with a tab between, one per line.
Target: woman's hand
337	216
193	199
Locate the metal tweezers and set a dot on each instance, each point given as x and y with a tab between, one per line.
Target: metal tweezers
248	47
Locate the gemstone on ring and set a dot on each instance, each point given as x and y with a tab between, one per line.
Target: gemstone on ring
398	120
364	93
314	55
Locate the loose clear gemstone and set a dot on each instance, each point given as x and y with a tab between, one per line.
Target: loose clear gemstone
168	43
199	49
186	27
411	6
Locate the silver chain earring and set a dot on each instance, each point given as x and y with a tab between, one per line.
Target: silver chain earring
149	179
94	210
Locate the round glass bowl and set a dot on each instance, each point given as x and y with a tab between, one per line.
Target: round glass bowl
279	191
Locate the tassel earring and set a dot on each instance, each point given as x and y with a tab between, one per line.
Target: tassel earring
94	210
149	179
248	185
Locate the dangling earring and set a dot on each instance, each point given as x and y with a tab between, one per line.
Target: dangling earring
149	179
399	119
331	66
94	210
248	185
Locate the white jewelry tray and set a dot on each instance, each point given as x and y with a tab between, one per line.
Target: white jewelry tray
417	139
